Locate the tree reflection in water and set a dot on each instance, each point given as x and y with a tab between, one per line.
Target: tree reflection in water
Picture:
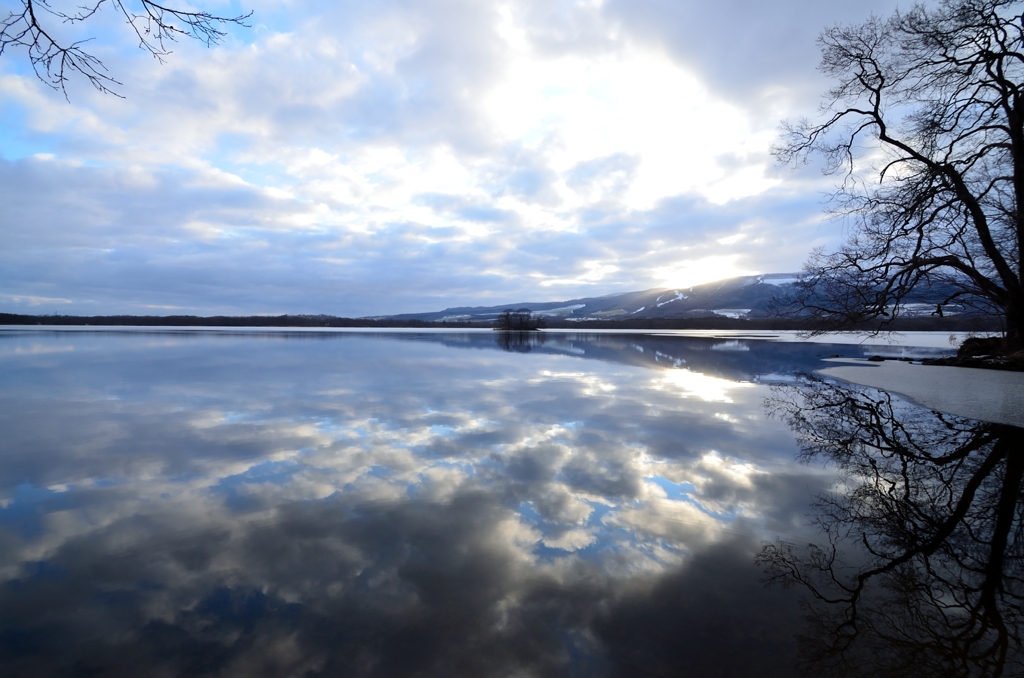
920	569
518	342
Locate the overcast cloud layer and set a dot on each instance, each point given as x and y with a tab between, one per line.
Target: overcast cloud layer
361	158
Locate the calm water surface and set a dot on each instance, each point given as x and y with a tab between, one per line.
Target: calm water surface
354	504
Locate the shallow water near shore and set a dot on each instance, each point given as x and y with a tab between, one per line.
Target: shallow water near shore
415	503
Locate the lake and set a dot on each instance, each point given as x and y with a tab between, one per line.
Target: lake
264	503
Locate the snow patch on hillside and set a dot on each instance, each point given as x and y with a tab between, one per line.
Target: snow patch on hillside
562	310
779	279
679	296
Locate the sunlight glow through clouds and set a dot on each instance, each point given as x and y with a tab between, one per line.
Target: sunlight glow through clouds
691	272
635	101
489	151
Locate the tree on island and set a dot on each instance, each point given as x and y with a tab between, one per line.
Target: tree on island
925	125
55	60
519	320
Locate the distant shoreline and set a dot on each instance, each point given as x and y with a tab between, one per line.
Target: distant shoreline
949	324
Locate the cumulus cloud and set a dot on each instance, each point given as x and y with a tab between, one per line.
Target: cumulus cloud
385	157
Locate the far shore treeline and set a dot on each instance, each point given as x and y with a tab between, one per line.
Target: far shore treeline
948	324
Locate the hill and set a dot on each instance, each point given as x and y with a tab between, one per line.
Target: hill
745	301
742	297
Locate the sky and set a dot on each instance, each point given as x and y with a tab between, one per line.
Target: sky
374	157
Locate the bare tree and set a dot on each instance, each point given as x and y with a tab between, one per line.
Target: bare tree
55	60
925	125
921	572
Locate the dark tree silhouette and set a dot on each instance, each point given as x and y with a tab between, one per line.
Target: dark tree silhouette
925	125
921	572
519	320
55	60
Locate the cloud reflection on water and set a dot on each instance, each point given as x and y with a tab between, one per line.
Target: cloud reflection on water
361	505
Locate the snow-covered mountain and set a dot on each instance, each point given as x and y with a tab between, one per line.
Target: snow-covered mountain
742	297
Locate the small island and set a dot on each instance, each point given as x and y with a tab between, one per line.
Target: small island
519	320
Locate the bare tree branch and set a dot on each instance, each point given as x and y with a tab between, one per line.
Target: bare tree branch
55	61
940	93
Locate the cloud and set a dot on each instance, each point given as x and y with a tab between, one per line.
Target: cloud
756	54
219	245
375	158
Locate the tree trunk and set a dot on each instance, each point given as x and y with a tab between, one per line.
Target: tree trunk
1015	325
